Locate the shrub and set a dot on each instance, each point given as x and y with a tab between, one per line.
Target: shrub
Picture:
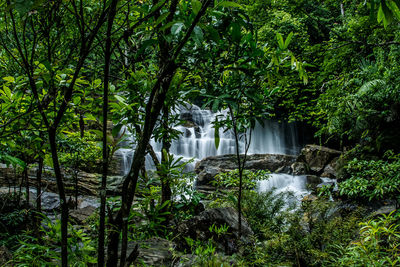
372	179
378	244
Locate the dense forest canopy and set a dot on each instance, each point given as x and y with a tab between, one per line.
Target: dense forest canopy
82	79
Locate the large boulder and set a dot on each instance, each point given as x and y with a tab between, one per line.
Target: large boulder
330	169
152	252
317	157
207	168
198	228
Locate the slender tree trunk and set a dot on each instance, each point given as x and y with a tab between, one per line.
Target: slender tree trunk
63	199
124	243
153	108
39	185
107	59
129	187
165	183
25	173
76	171
239	207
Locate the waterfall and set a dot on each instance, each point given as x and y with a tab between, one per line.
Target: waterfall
285	183
197	138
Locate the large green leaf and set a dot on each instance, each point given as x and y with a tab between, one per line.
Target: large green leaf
216	133
196	6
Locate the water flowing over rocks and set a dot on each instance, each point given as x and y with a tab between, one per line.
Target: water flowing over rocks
207	168
198	228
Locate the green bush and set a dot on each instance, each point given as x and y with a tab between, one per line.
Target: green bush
80	153
44	250
372	179
378	244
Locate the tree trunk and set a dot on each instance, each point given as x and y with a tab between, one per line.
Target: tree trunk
153	108
156	102
63	200
39	185
165	183
107	60
25	174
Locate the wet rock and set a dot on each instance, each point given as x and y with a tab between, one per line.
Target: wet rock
207	168
50	201
88	183
299	168
153	252
198	228
116	165
313	181
330	169
284	169
317	157
79	216
384	210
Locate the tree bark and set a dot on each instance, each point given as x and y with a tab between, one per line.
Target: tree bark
39	185
107	59
63	200
165	183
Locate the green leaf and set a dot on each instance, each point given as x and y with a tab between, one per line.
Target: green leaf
216	133
9	79
198	35
166	26
280	40
7	91
230	4
144	45
196	6
288	39
161	18
117	128
235	32
12	160
381	15
177	28
120	99
215	105
154	8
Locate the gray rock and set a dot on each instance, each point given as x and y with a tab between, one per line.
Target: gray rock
207	168
79	216
50	201
384	210
299	168
153	252
313	181
330	169
198	228
317	157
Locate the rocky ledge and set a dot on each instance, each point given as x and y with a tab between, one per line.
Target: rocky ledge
207	168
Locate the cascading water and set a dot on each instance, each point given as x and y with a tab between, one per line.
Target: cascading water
197	142
197	139
285	183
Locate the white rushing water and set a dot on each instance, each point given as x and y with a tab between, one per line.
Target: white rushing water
285	183
197	139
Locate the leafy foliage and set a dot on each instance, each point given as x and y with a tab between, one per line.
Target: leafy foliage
33	251
372	179
377	245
